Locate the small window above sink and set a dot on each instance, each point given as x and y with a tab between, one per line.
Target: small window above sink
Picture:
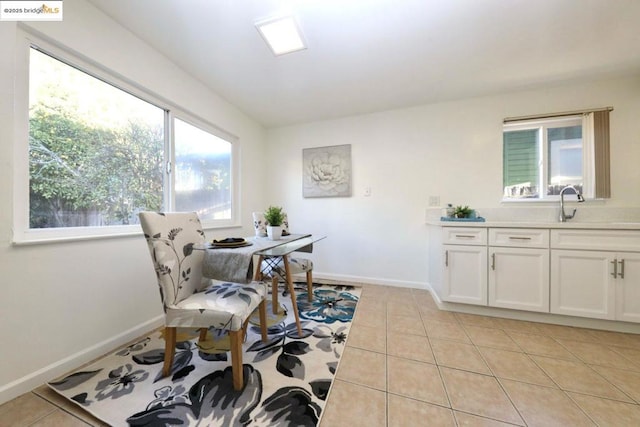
544	154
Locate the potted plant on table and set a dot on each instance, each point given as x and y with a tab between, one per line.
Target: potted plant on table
274	217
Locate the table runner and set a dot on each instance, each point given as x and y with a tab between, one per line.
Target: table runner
236	264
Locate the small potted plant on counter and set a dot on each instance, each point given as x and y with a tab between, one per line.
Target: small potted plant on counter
274	217
463	212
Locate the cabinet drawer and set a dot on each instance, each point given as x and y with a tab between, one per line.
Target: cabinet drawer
519	237
602	240
464	236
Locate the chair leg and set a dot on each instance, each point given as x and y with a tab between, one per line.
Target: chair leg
203	334
169	349
263	319
309	285
274	293
293	293
236	359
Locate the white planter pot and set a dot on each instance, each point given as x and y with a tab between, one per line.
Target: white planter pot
274	233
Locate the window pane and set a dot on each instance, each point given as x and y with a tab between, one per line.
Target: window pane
203	172
95	151
565	158
521	163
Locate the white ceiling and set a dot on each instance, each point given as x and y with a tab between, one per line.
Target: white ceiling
372	55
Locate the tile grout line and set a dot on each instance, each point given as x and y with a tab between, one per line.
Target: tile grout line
54	408
386	362
579	407
437	365
495	377
601	376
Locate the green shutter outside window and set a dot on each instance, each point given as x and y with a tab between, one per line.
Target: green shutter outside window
520	160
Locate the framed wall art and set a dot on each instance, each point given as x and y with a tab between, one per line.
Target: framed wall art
326	171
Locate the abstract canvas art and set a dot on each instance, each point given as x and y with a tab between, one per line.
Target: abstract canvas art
326	171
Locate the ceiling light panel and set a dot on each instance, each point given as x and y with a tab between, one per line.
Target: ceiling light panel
282	35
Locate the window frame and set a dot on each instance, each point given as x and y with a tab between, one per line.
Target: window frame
235	154
22	234
542	124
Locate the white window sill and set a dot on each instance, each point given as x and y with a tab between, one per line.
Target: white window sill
63	235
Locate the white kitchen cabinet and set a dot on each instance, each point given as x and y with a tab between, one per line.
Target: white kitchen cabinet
519	269
628	287
465	274
464	270
519	278
582	284
591	273
595	283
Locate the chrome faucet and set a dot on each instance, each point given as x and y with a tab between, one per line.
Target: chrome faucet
563	216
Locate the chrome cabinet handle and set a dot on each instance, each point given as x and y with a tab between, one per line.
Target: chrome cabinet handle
446	258
519	238
621	273
493	261
615	268
465	236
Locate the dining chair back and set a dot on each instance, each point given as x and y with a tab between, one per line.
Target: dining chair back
191	300
276	269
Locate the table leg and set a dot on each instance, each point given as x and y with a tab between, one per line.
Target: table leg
258	276
285	261
309	286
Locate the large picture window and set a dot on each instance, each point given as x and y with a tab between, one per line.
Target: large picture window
96	153
100	151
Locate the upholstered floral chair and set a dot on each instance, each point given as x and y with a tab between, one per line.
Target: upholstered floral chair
274	269
189	299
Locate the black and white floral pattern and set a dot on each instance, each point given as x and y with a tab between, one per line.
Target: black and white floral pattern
187	296
287	378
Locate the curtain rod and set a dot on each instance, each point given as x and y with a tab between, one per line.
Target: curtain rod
550	115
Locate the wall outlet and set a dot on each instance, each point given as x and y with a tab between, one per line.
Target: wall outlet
434	201
367	191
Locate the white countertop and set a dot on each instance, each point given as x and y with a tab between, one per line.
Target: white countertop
525	224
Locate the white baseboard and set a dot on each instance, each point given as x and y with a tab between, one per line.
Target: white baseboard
531	316
556	319
370	280
35	379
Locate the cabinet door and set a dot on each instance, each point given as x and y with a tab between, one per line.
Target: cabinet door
628	287
465	274
582	284
519	278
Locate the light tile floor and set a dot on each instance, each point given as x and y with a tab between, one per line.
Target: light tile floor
407	363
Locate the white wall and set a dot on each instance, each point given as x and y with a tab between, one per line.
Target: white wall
63	304
452	150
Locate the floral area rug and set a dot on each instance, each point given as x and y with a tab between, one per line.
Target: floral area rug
287	378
